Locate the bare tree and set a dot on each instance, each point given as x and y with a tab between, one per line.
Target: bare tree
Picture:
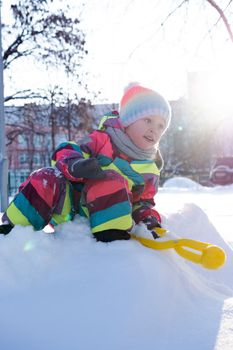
26	133
73	117
49	36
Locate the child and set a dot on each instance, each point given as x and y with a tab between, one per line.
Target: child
110	176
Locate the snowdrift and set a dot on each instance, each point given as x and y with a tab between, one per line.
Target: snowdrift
69	292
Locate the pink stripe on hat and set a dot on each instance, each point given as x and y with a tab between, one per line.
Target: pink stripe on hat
139	102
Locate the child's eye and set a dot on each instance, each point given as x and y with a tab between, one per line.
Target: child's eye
148	120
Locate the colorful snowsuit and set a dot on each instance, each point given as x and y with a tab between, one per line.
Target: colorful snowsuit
53	195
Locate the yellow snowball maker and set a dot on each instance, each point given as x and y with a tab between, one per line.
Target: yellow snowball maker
208	255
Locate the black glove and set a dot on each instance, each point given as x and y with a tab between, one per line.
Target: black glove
151	222
87	168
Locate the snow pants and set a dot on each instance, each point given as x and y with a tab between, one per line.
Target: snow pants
47	197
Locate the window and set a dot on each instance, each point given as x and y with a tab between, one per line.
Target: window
22	140
36	159
23	158
38	141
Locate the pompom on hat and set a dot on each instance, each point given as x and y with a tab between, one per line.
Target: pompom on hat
139	102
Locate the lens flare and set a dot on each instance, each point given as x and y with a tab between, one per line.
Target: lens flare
29	246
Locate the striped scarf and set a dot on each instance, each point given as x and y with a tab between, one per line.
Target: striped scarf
125	145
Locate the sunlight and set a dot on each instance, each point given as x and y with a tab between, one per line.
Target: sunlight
213	92
29	245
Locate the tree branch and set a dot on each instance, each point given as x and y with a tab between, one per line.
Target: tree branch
24	94
223	17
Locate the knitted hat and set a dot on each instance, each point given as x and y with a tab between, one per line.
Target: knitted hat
139	102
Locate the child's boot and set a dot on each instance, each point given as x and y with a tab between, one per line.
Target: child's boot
111	235
6	228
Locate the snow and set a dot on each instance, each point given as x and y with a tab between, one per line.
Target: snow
66	291
181	182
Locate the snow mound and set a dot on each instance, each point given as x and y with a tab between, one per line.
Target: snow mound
68	291
192	222
181	182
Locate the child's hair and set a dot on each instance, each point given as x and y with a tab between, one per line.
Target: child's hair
139	102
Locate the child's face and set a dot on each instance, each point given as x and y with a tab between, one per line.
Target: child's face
146	132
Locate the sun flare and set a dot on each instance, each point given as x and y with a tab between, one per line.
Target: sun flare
213	92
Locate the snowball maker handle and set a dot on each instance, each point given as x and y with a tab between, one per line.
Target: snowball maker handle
208	255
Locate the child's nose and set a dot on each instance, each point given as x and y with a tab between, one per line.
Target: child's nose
153	128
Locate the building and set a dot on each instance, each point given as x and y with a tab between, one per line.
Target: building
32	135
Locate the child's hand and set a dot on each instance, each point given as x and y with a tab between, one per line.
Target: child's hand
151	222
86	168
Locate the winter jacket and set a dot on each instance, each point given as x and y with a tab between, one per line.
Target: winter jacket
123	196
142	176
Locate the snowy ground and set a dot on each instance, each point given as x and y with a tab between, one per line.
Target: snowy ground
69	292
